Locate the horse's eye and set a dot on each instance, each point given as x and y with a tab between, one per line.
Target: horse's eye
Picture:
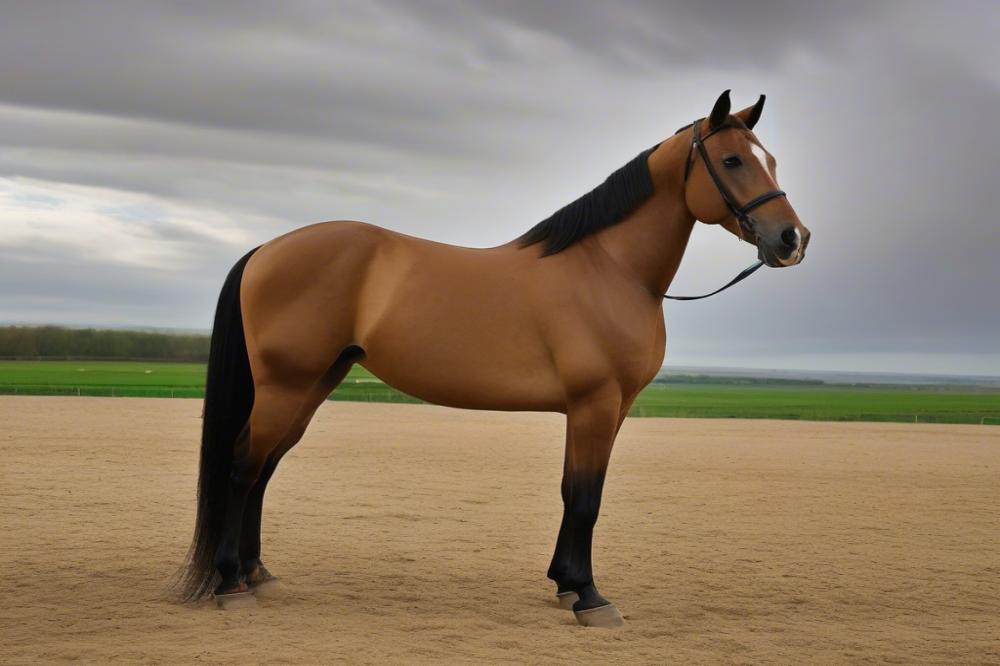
731	162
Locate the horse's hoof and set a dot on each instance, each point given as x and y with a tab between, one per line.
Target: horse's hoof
567	599
272	588
606	617
235	600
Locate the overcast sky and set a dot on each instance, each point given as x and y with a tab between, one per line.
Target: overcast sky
144	147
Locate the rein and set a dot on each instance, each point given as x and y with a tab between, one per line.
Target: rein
747	272
742	213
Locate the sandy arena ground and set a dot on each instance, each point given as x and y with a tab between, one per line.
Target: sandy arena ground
412	533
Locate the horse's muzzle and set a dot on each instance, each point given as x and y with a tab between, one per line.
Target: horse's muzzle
785	248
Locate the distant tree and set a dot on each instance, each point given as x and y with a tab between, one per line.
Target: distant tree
61	342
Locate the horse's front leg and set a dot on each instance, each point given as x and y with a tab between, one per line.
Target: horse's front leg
591	427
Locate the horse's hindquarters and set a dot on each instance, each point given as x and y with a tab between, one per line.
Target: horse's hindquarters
300	299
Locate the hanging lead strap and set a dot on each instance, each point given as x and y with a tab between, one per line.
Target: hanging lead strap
747	272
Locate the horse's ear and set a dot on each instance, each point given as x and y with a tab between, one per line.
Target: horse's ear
751	114
720	111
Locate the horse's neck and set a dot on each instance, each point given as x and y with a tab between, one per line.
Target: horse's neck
650	242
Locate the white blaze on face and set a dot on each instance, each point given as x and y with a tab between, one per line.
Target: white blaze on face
761	156
796	256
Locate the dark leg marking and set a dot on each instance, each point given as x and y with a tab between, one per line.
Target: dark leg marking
250	534
227	561
572	565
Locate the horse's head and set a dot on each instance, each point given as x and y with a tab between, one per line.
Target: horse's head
730	180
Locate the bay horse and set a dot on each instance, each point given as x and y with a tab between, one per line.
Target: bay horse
566	318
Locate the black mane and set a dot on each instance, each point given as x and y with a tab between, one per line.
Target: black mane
606	204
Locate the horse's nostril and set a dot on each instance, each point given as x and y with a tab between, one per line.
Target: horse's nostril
790	237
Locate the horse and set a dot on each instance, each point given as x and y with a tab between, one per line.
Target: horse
566	318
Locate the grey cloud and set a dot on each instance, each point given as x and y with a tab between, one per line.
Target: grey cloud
154	62
646	35
57	284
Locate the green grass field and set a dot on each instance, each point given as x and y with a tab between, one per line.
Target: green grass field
154	379
820	403
715	400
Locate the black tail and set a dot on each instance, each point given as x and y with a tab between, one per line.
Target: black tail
228	400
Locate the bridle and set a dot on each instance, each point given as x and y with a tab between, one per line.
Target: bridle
742	213
746	221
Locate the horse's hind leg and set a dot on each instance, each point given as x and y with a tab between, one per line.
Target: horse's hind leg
257	575
275	411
